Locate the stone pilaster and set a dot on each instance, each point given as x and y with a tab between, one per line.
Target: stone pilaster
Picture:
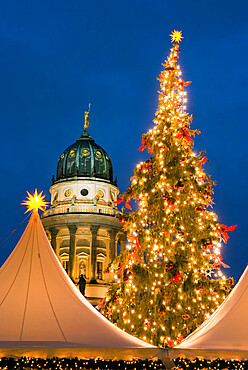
94	230
122	242
112	248
72	251
54	232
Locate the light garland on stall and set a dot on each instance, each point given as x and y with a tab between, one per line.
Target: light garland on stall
98	364
56	363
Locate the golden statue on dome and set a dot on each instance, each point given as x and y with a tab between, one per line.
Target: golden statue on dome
86	120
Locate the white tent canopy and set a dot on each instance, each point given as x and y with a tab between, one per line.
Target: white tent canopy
225	333
42	313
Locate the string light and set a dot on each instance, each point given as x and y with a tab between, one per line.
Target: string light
174	239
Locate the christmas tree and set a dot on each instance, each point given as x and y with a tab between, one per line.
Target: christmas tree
168	280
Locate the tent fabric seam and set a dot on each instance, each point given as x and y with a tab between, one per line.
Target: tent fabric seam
6	295
6	263
29	279
48	296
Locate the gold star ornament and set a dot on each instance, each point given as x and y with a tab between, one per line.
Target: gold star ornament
176	36
35	202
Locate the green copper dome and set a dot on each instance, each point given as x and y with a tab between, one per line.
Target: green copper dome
84	158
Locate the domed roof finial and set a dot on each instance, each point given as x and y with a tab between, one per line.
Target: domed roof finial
86	120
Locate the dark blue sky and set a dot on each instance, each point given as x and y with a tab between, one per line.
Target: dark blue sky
58	55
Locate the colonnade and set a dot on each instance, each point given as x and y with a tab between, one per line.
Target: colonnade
114	234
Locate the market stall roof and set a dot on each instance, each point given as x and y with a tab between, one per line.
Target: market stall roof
43	314
225	333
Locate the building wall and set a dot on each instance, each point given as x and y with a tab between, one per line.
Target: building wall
84	191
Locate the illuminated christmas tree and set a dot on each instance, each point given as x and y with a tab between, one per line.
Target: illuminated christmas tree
168	280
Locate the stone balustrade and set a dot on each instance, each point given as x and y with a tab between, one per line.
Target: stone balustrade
79	209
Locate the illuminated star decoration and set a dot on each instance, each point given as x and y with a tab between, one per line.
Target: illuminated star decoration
35	202
176	36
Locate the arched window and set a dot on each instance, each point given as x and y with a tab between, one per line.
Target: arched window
99	270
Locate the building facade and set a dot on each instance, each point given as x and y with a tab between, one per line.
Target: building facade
80	223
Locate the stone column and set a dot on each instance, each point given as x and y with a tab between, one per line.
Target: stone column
94	229
112	248
72	251
122	242
54	233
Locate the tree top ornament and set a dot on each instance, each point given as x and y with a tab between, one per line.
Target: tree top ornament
176	36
